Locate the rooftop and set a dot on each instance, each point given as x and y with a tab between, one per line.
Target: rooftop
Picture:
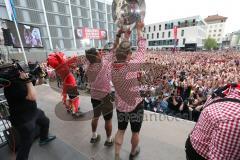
215	18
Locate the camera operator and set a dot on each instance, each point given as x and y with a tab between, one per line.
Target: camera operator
24	114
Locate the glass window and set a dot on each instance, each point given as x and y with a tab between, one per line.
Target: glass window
169	34
157	35
154	28
152	35
93	4
220	30
160	27
215	30
219	35
163	34
164	42
101	6
84	3
84	13
182	33
149	29
147	36
184	41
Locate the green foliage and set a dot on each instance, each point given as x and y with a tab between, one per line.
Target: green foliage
210	44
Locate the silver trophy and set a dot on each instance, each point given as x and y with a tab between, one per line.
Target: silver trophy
127	12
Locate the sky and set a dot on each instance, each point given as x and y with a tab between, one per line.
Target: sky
164	10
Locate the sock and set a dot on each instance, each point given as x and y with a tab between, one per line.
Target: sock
109	139
94	135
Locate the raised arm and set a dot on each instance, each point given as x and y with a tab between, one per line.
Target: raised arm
141	42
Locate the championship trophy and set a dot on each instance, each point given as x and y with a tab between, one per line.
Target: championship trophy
126	13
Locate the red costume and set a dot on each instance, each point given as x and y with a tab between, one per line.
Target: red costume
62	66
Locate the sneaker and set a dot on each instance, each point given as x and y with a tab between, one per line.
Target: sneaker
132	156
95	140
47	140
109	144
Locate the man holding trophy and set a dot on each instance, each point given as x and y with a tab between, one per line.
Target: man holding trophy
128	101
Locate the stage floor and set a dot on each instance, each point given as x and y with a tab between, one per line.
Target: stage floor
162	137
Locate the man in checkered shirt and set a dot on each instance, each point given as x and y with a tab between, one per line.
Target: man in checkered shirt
99	77
128	101
216	136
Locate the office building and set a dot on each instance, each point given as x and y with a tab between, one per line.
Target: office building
58	19
191	32
216	27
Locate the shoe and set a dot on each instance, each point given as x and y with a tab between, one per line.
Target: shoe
109	144
95	140
77	114
47	140
132	156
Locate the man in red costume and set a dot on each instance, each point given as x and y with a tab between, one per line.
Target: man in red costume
62	65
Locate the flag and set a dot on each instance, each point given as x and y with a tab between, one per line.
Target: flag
11	9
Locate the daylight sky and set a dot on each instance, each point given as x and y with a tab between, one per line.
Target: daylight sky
163	10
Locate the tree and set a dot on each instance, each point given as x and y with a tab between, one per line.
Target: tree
210	44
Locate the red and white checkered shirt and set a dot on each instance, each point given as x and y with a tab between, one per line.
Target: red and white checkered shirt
216	136
99	77
126	84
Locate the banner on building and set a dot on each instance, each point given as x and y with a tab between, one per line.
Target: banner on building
90	33
175	32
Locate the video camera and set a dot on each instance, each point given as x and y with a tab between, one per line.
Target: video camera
11	71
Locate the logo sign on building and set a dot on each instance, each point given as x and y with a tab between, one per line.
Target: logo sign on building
90	33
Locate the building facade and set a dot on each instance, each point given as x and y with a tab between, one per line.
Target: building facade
58	19
190	31
216	27
231	41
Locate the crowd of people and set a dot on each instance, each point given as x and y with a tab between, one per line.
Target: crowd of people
179	84
184	80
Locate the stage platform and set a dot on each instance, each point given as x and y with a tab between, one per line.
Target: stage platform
162	137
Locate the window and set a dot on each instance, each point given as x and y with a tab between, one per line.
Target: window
215	30
147	36
219	35
220	30
144	30
179	24
149	29
169	34
163	34
154	28
171	25
184	41
186	23
214	35
166	26
182	33
157	35
210	31
160	27
152	35
194	22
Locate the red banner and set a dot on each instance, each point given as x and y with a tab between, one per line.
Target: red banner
175	32
90	33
